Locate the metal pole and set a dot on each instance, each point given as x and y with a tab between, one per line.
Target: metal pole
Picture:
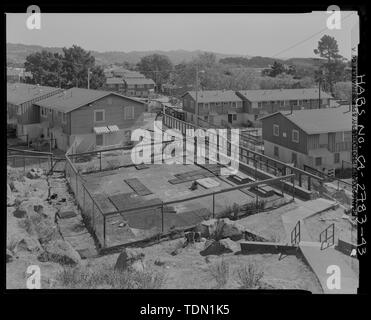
77	187
93	214
162	217
213	205
100	161
104	231
196	108
88	78
293	188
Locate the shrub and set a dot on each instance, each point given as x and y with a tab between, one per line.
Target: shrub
113	164
106	277
249	276
220	272
218	233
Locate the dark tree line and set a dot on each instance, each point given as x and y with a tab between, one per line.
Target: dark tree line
66	70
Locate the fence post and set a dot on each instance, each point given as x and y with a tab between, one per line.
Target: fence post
24	163
100	161
293	188
309	183
213	205
104	231
162	217
83	203
92	216
77	186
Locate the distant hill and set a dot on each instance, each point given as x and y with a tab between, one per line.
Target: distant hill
17	53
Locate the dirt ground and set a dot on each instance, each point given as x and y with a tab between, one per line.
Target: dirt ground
190	270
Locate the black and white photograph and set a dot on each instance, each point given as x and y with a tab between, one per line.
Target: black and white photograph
185	151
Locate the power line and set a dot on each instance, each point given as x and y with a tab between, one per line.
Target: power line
306	39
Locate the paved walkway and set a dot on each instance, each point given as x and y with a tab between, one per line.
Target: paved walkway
319	259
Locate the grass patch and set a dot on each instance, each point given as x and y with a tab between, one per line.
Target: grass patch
220	272
249	276
105	277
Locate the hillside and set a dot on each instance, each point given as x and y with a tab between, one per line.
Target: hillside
17	53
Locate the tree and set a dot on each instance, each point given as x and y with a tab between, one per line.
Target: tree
157	67
343	91
46	68
333	69
66	70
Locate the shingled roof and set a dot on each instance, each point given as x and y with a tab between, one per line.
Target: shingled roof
209	96
316	121
138	81
75	98
283	94
18	93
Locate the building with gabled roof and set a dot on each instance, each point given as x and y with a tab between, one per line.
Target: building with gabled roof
215	107
258	103
21	110
89	119
318	138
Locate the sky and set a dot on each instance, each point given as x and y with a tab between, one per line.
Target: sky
243	34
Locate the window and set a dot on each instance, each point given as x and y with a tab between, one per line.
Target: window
259	104
276	130
129	113
318	161
295	136
43	112
276	151
99	139
99	115
336	157
234	117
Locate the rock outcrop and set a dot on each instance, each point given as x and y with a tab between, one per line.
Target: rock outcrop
130	258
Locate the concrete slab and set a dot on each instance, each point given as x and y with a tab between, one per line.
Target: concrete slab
208	183
320	260
67	212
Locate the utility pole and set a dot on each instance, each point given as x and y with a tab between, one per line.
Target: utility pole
88	78
319	93
196	108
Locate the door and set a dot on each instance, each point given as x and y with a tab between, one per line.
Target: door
99	139
230	118
294	158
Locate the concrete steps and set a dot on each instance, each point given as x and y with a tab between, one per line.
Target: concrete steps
317	258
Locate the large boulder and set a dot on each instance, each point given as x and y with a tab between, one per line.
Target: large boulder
130	258
29	208
10	199
221	247
35	173
28	244
9	256
61	252
220	229
18	186
232	230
